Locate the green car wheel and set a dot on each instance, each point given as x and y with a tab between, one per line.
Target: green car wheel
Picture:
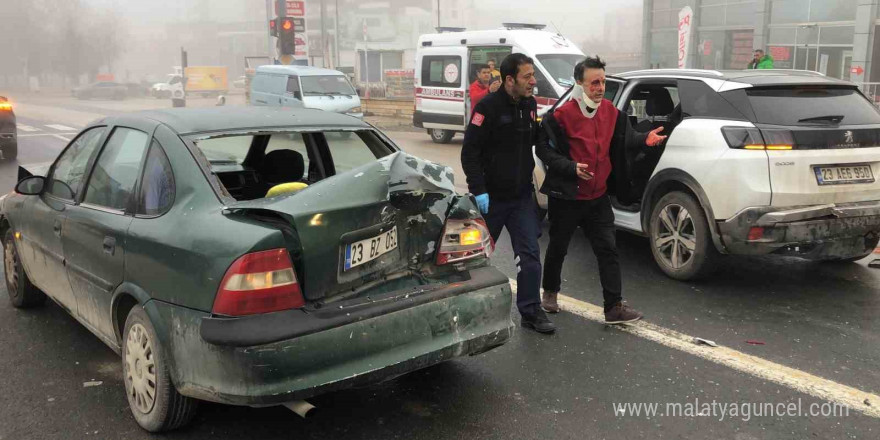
152	398
22	293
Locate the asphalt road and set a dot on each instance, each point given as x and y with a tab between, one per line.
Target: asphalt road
819	319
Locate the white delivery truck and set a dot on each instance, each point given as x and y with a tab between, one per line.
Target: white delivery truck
446	66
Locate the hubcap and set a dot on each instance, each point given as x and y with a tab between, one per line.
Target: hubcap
438	134
10	262
140	369
676	238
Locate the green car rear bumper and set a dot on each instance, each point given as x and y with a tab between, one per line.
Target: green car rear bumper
458	319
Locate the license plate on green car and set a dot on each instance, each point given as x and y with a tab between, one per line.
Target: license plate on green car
367	250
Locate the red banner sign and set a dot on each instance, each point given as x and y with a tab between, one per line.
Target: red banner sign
294	8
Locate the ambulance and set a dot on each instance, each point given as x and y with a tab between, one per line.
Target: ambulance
446	66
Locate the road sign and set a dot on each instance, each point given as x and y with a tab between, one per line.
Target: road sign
857	70
299	24
294	8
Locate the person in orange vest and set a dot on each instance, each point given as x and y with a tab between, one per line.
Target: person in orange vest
481	86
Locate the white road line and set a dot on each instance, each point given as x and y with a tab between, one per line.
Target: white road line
780	374
61	137
60	127
27	128
45	134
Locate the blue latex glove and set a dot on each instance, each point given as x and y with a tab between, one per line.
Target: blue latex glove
483	203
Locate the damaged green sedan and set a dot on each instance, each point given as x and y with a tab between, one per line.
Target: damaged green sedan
253	256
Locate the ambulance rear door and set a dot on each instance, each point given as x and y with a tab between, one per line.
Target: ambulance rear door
440	89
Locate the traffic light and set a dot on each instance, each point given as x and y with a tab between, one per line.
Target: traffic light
285	28
273	29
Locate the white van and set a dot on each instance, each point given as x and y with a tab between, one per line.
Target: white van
442	101
305	86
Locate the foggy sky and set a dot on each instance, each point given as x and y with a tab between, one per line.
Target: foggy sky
577	19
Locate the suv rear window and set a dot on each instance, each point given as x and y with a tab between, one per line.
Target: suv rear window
811	106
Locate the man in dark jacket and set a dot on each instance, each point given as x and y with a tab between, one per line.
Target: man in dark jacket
581	143
497	160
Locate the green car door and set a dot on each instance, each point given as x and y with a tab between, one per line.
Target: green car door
42	242
95	230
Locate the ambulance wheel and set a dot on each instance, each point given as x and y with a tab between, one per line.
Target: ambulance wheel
441	136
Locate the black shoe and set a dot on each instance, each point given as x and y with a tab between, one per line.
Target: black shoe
538	321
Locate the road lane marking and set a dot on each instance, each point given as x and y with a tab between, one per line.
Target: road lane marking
45	134
761	368
27	128
61	137
60	127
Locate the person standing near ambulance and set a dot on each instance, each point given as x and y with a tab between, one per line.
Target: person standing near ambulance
582	142
498	163
481	86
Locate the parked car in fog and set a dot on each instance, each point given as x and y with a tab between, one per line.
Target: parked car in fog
101	90
305	86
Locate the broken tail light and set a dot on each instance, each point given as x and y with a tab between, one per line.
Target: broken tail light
464	240
259	282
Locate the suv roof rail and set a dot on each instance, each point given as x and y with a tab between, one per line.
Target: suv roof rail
808	72
442	29
534	26
673	71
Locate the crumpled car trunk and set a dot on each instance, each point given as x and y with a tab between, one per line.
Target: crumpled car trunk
397	191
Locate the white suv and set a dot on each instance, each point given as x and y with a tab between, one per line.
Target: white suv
757	162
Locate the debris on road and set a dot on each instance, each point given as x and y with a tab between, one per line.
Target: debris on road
754	342
875	264
701	341
867	402
93	383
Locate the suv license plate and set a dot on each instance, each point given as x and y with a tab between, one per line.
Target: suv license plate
841	175
364	251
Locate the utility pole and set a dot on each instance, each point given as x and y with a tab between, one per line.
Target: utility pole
336	34
323	38
438	13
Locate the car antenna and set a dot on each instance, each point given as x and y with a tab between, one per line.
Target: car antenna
558	32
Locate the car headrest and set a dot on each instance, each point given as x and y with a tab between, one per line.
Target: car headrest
659	103
282	166
286	188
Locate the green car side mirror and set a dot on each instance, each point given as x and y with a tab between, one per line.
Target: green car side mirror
31	186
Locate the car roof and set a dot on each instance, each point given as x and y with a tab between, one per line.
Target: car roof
187	121
298	70
761	77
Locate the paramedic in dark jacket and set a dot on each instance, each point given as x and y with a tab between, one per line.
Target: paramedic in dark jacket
581	143
497	160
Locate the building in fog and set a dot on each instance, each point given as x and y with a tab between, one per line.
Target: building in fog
835	37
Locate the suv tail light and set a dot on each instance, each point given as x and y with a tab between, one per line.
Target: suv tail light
747	138
259	282
463	240
5	106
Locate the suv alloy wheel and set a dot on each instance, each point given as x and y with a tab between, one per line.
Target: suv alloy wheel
681	241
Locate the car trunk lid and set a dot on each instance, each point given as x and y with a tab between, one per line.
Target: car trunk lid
398	204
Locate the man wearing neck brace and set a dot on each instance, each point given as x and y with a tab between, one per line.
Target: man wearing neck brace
583	145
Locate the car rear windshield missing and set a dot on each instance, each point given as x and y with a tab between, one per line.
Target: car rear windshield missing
812	106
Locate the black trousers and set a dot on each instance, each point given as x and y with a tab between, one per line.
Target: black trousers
520	217
596	219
